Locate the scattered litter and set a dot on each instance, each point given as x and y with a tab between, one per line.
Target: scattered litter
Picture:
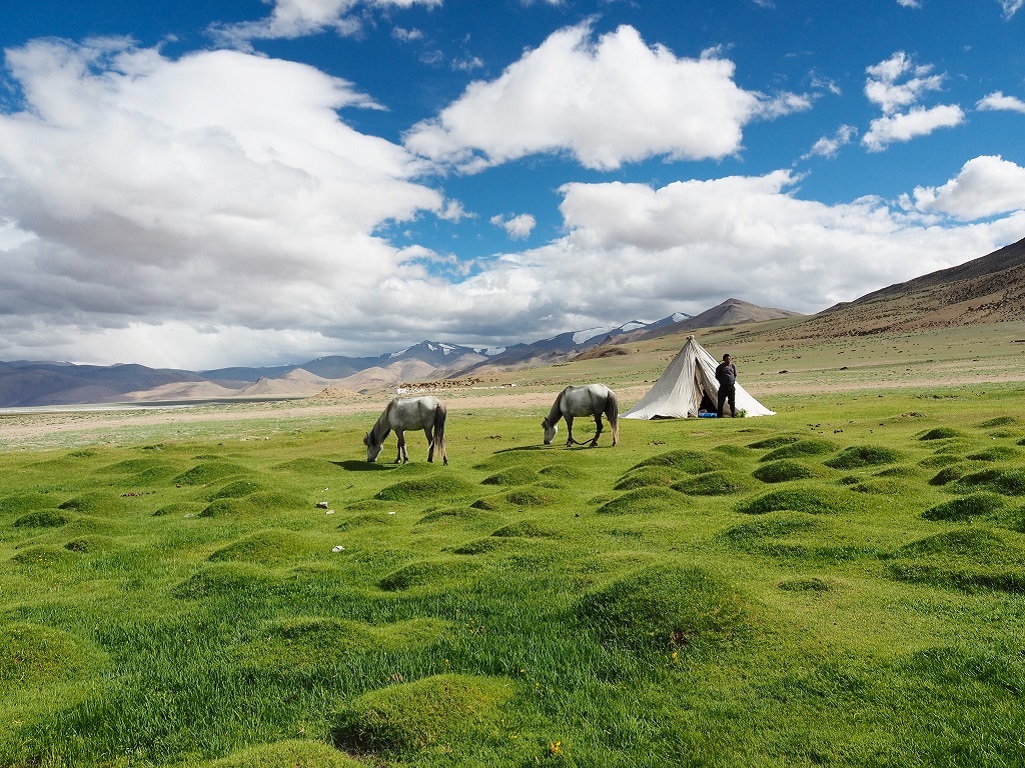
322	504
391	513
330	511
338	548
189	515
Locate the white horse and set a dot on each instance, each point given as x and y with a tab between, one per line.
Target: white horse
589	400
426	413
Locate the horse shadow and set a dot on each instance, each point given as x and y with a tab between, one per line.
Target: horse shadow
352	465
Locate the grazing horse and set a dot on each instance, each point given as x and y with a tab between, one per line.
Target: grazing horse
589	400
426	413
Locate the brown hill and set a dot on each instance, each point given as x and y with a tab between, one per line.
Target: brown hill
989	289
730	312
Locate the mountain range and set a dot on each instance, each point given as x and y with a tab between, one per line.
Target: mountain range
988	289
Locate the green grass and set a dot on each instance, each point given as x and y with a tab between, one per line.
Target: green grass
841	584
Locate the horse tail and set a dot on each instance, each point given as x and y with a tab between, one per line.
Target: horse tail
612	414
439	431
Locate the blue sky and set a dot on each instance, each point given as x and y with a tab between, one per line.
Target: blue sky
197	185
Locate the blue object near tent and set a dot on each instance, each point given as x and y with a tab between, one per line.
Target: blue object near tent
708	415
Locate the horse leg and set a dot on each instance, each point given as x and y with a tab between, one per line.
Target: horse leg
430	445
402	457
569	430
597	424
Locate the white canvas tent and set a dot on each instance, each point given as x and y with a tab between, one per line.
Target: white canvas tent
680	389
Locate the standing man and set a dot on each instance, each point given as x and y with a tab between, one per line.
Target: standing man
726	375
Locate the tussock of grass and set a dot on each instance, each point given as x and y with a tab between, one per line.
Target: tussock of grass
858	456
563	473
965	508
427	573
92	544
814	446
998	421
22	503
1009	482
941	433
806	584
366	520
643	501
535	496
940	460
996	453
430	486
663	607
235	490
530	529
770	527
274	547
512	476
207	472
32	656
881	487
645	477
949	474
969	559
96	503
306	466
691	462
301	644
783	471
43	518
774	442
44	556
253	505
477	547
429	715
180	509
230	580
292	753
468	516
812	500
715	484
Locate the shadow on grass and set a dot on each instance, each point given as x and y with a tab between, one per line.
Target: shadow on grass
350	465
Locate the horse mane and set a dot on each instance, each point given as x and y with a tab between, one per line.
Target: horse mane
556	412
381	429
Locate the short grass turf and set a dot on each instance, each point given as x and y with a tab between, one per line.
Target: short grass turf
840	584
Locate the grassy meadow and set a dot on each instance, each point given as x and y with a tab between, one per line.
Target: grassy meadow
840	584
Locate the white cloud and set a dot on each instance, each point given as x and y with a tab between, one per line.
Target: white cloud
1011	7
986	186
830	146
296	18
518	227
998	101
910	3
605	102
218	190
887	88
920	121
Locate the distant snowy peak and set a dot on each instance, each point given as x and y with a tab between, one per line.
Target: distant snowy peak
436	347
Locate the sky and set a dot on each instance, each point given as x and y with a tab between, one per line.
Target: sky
195	185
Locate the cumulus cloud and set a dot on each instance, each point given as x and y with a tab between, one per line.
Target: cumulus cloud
518	227
830	146
297	18
216	190
920	121
986	186
889	87
998	101
1011	7
605	102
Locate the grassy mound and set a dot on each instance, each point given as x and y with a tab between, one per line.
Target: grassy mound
940	433
774	442
292	753
235	490
43	518
273	547
996	453
691	462
998	421
207	472
783	471
643	501
96	503
1009	482
770	528
44	556
715	484
367	519
858	456
34	656
23	503
815	446
811	500
647	477
429	486
512	476
431	715
949	474
228	580
664	607
180	509
965	508
300	644
806	584
428	573
253	505
528	529
464	516
939	460
969	559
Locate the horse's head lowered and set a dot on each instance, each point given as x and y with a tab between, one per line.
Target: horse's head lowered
550	430
374	447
